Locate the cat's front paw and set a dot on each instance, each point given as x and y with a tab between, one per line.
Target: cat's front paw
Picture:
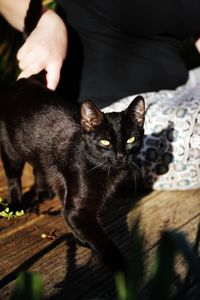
15	199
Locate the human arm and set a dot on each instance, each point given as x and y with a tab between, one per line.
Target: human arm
14	12
45	48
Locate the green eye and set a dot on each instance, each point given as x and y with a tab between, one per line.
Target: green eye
131	140
105	142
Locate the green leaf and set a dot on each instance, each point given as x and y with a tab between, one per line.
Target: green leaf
163	268
129	286
170	244
136	272
7	209
121	286
19	213
3	214
28	287
2	202
51	4
179	241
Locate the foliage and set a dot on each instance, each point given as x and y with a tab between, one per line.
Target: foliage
7	213
162	271
51	4
28	287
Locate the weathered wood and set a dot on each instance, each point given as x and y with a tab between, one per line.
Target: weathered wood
68	270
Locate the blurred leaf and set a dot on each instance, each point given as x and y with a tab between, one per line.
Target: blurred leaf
3	214
129	285
136	272
51	4
179	241
170	244
163	267
7	209
28	287
121	286
19	213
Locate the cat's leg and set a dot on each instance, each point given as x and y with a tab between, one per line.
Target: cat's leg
87	229
41	189
81	215
55	181
13	166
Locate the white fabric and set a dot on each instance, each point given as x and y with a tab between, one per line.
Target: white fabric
171	150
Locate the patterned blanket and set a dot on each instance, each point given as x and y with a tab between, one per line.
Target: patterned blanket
170	155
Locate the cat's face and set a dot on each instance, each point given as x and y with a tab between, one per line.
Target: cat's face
113	139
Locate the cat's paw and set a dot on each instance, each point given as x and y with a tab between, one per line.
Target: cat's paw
15	199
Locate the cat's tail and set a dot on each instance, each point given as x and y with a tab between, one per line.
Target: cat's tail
32	17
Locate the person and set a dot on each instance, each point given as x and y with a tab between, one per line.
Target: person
112	50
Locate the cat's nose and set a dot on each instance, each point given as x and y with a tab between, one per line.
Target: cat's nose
119	156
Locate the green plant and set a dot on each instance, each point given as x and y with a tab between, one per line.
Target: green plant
51	4
7	213
162	271
28	287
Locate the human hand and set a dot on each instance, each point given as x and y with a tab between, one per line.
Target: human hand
197	44
44	49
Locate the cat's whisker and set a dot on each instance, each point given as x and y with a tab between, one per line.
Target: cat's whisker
95	167
134	164
135	181
108	174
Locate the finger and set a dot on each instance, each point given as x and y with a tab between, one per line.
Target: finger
28	60
37	52
22	51
53	75
30	70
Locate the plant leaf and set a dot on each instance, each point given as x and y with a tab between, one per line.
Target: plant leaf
28	287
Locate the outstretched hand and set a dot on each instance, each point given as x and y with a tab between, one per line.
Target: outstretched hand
44	49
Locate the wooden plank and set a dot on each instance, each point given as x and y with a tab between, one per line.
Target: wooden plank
161	210
78	279
62	260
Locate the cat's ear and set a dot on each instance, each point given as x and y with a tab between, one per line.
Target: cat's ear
136	110
91	116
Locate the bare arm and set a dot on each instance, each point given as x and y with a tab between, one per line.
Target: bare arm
46	46
14	12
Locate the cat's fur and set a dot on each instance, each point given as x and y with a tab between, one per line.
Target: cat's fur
65	149
64	146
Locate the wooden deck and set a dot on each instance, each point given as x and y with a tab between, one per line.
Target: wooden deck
68	270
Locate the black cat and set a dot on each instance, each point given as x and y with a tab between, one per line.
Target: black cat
73	153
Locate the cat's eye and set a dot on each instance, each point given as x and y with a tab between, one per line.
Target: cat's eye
131	140
105	142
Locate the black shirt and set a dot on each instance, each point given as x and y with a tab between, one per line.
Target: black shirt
120	48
